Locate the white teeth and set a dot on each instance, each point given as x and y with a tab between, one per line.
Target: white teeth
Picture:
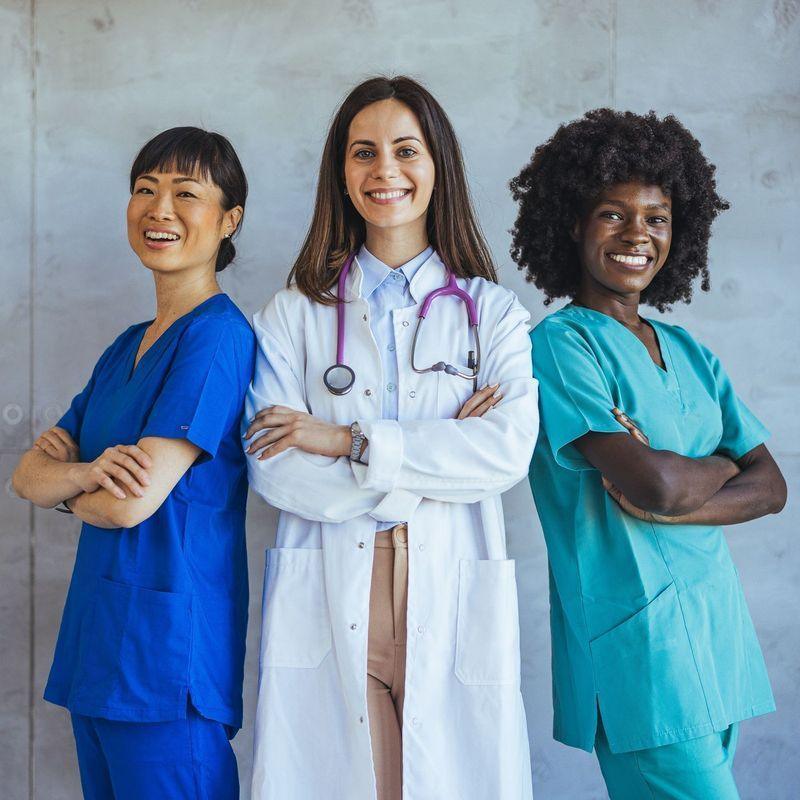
634	261
389	195
171	237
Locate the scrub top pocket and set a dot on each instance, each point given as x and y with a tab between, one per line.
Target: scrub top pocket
146	638
647	678
296	629
487	637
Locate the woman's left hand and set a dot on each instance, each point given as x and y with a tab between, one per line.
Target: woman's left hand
287	428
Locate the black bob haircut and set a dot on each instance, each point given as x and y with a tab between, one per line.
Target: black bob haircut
605	147
193	151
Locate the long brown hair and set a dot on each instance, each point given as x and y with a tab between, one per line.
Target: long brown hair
337	229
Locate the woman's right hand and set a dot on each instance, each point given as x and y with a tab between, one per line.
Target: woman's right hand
480	402
122	466
58	444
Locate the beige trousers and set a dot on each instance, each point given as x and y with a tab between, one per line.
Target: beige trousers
386	658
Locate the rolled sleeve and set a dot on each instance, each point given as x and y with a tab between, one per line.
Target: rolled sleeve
575	396
203	393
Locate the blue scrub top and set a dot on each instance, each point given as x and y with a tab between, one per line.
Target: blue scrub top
648	621
157	614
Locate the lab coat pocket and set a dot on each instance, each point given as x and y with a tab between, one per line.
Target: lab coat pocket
487	637
296	628
648	683
135	649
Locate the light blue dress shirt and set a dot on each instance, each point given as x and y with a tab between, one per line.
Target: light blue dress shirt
386	289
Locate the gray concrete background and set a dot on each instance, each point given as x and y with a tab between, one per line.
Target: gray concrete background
84	84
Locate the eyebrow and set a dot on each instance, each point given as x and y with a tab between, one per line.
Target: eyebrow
649	207
180	179
396	141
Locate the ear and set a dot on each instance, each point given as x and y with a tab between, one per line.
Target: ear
231	220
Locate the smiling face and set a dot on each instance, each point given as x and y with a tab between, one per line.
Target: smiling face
176	222
388	169
624	238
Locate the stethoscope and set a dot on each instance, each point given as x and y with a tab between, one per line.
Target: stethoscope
339	377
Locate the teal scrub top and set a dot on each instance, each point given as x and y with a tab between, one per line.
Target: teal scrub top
648	621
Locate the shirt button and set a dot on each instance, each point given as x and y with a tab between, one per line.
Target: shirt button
391	348
368	392
422	547
364	317
420	629
389	387
353	627
361	545
361	720
412	393
405	323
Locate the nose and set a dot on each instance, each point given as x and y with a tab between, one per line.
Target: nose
161	207
385	166
635	232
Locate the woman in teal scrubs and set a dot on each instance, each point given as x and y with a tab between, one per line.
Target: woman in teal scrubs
150	654
645	451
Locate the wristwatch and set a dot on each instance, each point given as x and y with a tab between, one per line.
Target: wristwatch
358	442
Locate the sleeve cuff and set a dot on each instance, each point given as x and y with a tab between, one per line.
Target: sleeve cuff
385	437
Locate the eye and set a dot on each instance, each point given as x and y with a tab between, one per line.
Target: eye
184	193
406	152
658	220
615	215
363	154
144	190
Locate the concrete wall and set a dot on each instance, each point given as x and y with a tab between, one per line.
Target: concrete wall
84	84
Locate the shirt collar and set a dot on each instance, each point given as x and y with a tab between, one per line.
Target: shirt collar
375	271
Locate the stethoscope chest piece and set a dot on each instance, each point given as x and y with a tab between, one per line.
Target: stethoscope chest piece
339	379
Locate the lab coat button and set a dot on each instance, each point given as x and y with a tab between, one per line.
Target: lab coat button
415	722
421	547
368	392
391	348
420	629
364	317
361	720
353	627
361	545
412	393
405	323
389	387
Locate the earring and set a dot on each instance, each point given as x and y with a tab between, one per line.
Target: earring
227	236
346	193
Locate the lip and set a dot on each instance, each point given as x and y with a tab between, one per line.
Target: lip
389	201
160	244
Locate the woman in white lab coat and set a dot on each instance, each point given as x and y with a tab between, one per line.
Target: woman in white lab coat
390	662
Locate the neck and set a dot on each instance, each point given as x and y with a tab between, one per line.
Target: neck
622	307
397	246
178	293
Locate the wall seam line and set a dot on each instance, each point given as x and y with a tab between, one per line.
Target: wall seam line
32	256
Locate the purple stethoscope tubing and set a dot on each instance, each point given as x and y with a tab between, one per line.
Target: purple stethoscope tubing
450	288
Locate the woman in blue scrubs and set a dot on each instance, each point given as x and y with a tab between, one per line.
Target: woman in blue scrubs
644	452
150	654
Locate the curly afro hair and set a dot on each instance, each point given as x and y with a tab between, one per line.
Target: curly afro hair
603	148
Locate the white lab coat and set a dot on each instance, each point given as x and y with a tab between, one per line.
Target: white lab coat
464	730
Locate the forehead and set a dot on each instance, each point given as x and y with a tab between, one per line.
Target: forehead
385	119
635	193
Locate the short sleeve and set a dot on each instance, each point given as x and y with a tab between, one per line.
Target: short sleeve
741	429
202	397
72	420
575	397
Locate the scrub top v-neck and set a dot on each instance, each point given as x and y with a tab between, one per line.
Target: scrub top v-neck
648	621
156	614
